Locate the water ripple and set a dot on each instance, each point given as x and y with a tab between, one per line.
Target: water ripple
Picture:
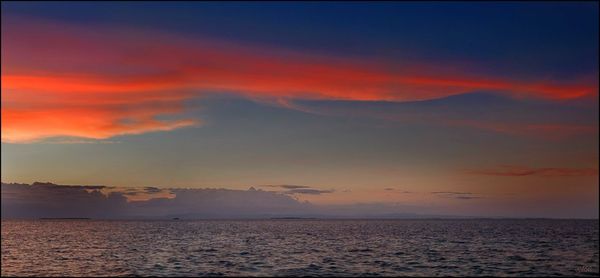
300	248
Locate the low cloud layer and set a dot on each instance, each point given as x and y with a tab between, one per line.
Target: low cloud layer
308	191
47	200
286	186
397	190
457	195
298	189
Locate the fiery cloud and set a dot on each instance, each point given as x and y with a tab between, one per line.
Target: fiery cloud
100	82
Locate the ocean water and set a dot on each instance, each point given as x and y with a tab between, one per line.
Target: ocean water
300	248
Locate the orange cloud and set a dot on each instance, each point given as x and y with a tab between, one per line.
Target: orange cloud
28	125
518	171
62	80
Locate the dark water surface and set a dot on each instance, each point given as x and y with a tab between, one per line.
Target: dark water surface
300	247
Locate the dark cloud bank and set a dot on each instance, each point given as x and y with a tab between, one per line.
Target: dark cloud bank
47	200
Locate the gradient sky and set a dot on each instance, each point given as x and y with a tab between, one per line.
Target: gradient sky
468	108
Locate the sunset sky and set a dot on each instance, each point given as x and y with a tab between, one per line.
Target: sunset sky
457	108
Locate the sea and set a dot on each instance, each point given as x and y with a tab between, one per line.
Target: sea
300	247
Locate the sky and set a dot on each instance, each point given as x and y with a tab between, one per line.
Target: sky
479	109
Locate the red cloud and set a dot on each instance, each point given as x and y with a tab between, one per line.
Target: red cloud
60	80
517	171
